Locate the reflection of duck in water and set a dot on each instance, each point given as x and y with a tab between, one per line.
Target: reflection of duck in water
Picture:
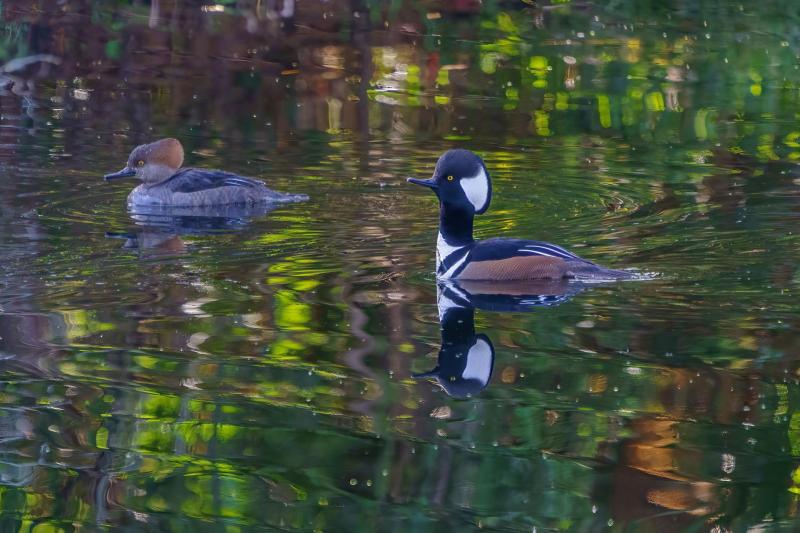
462	184
466	359
160	228
165	183
151	242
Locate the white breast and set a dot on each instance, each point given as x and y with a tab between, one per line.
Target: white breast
142	196
443	251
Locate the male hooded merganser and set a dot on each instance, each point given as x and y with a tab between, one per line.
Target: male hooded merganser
164	183
464	188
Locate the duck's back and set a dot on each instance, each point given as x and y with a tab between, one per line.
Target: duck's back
198	180
196	187
517	259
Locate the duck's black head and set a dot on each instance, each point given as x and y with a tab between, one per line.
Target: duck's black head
461	182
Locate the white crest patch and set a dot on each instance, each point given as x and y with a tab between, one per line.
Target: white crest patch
479	362
477	189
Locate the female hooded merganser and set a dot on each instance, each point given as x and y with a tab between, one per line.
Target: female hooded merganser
164	183
464	188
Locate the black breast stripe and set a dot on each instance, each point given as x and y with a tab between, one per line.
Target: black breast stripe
452	259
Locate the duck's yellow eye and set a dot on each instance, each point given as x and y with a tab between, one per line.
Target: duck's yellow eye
450	178
140	163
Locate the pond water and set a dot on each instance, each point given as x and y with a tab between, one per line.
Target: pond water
290	369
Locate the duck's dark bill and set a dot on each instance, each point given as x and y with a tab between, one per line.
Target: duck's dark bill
425	183
124	173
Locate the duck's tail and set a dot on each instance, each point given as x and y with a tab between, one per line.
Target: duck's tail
585	271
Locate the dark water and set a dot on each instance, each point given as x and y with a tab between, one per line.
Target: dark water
252	371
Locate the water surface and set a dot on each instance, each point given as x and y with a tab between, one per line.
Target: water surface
255	371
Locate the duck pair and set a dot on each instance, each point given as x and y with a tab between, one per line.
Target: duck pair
460	181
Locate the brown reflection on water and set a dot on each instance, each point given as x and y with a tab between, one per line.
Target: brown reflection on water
647	484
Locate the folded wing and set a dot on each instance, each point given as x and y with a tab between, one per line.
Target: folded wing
190	180
515	259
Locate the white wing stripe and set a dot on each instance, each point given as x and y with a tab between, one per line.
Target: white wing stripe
549	250
537	252
556	249
545	251
237	181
